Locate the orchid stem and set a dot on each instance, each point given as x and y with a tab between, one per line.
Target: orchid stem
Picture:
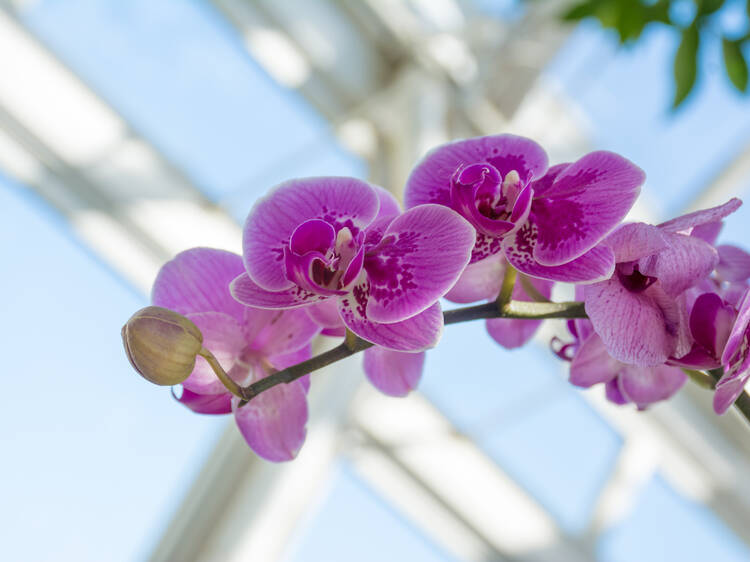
702	379
506	289
353	344
232	386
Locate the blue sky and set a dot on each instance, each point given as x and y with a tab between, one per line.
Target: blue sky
100	457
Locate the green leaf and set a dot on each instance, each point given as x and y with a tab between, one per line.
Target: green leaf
706	7
686	65
581	11
735	63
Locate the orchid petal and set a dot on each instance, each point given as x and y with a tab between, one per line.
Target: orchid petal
326	314
631	325
697	218
479	281
646	385
394	373
206	403
223	337
197	280
592	364
249	293
543	184
389	205
684	263
711	322
728	389
634	241
586	201
485	247
738	336
287	331
708	232
420	257
430	180
341	202
734	263
595	265
612	392
273	423
417	333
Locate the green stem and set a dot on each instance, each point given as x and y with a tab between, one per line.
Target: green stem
232	386
704	380
353	344
506	289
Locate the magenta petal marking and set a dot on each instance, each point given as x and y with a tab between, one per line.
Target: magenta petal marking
223	336
393	372
633	241
595	265
543	184
273	423
684	263
479	281
341	202
430	180
246	291
197	280
419	259
592	364
417	333
711	322
646	385
714	214
586	201
631	325
206	403
734	263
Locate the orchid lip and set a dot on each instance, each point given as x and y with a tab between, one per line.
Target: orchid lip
632	279
492	204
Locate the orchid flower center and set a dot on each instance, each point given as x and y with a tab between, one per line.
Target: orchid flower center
321	260
632	279
482	187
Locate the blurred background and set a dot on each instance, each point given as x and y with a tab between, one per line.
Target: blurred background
131	130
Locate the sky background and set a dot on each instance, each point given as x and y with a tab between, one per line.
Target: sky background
95	457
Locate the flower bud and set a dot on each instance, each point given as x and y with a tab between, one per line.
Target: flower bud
161	345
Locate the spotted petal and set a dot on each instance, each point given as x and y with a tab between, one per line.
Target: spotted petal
430	180
417	333
393	372
420	257
636	240
270	224
585	202
197	280
595	265
273	423
249	293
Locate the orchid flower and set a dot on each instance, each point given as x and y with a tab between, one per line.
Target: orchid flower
341	239
735	359
548	225
640	313
591	364
248	343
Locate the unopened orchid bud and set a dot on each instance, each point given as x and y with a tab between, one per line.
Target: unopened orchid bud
161	345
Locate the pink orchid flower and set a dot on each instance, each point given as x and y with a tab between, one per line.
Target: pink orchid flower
341	239
548	223
249	343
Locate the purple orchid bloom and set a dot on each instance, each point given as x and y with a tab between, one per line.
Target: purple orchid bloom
249	343
482	281
548	226
341	239
640	313
590	364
